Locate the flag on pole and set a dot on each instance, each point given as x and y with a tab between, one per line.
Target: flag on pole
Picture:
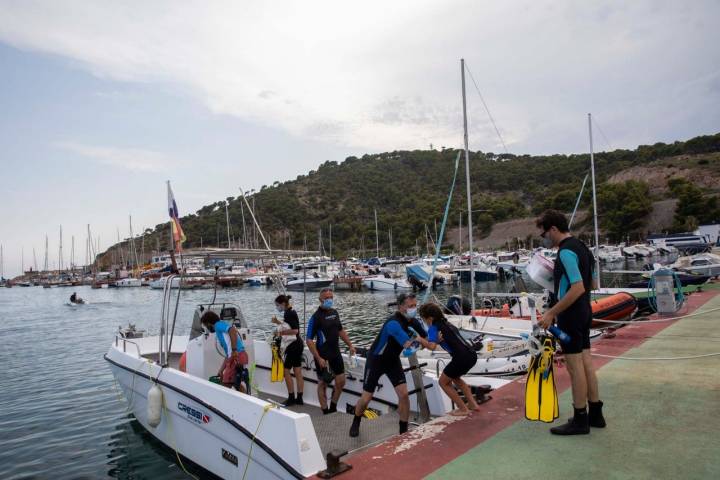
177	231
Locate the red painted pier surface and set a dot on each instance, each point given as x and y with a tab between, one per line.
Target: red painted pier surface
418	453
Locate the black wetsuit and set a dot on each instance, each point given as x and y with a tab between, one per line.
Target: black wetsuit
324	328
293	352
384	354
463	356
577	318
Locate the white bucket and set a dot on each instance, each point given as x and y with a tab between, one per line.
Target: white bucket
540	269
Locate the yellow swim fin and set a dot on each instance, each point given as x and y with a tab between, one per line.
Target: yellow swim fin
541	402
277	371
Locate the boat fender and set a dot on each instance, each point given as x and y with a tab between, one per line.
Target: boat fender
154	405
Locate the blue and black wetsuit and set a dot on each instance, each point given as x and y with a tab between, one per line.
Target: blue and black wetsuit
324	328
384	354
575	263
463	357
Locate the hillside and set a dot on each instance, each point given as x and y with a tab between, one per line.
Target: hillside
409	189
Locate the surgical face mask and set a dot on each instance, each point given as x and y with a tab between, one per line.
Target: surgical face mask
279	308
547	241
327	303
411	312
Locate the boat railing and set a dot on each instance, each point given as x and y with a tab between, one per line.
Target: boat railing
166	330
125	341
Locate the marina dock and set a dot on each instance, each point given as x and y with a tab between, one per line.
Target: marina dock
662	417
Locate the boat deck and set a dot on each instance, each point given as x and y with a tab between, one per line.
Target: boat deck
332	429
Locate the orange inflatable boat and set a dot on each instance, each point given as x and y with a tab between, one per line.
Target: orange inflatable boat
613	307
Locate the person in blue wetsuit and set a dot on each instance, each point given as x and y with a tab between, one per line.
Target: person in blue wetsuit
443	334
383	358
235	355
574	278
324	332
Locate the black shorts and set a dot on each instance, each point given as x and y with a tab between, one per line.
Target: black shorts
578	328
376	367
293	354
336	364
460	365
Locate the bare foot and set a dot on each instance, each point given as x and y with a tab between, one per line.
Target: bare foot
475	407
460	412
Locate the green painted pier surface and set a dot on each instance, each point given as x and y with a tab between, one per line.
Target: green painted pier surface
663	419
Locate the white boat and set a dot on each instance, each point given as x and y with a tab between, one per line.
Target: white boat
311	281
702	263
128	282
227	432
259	280
386	283
498	328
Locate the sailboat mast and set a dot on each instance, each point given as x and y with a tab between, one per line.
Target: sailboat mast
34	260
245	238
45	264
595	214
377	238
330	243
467	179
22	261
60	255
227	222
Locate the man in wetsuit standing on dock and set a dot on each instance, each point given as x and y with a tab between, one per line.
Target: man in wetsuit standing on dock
324	331
574	277
383	358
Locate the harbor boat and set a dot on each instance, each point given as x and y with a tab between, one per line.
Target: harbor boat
228	432
128	282
259	280
483	273
702	263
386	283
312	281
421	272
685	280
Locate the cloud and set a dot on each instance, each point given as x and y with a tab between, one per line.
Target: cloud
384	75
134	159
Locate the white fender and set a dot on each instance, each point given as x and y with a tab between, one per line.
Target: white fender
154	405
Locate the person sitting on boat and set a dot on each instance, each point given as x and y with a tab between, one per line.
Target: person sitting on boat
292	346
324	331
235	356
444	334
383	358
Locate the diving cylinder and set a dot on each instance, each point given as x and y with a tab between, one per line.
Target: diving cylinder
665	291
154	405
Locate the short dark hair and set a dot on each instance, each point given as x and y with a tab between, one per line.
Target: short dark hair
404	296
552	218
209	318
432	311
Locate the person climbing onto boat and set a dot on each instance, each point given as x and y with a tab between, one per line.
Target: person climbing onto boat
292	346
324	331
75	299
383	358
442	333
574	278
235	355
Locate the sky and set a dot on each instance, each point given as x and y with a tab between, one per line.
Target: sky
102	102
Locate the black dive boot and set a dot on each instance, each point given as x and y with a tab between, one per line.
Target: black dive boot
299	399
290	400
578	425
355	428
595	414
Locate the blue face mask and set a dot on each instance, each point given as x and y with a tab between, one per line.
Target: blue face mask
327	303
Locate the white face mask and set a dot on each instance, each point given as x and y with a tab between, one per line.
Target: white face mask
547	241
411	312
279	308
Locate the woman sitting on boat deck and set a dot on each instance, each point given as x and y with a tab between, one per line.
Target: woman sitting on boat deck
442	333
235	356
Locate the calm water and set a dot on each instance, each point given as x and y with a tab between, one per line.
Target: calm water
63	417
